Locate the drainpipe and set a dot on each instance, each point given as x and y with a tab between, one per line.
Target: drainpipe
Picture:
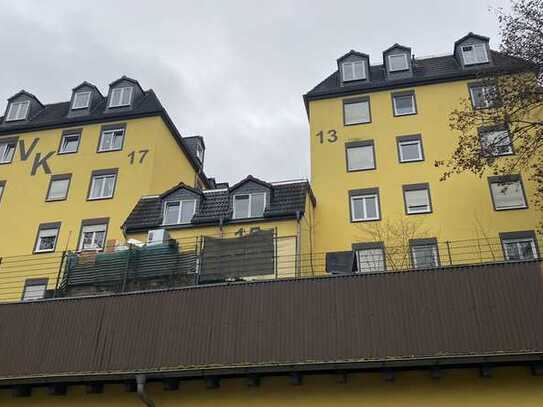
298	244
140	380
221	223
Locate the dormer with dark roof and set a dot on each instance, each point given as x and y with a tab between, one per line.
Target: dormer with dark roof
473	50
179	204
249	198
85	98
21	108
397	62
196	146
123	94
353	68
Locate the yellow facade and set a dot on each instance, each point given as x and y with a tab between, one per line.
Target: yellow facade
462	206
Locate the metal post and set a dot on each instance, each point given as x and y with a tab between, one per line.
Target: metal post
59	273
127	267
449	252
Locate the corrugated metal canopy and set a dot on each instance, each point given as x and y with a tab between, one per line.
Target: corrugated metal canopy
461	312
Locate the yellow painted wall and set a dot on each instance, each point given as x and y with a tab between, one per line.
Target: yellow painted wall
462	206
459	388
23	206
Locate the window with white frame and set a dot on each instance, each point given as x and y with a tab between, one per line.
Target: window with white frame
474	54
81	100
93	237
410	150
365	207
519	249
360	156
356	111
417	199
18	111
120	97
69	143
370	260
404	104
47	238
353	71
58	188
496	142
34	289
179	212
483	96
111	139
7	151
508	194
2	188
249	205
398	62
102	186
200	152
424	255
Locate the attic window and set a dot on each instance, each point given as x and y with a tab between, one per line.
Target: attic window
17	111
249	205
120	97
398	62
200	152
474	54
353	71
81	100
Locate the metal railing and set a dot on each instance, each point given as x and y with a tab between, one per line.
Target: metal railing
259	256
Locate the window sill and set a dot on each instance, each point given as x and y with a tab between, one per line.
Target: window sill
100	199
365	220
404	114
109	151
362	169
355	124
411	161
44	251
57	199
419	213
67	152
511	209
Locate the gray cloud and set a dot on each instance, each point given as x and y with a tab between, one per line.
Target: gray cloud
233	72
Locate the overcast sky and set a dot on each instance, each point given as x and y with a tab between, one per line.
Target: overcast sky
231	71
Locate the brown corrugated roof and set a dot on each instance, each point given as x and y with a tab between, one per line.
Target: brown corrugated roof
462	312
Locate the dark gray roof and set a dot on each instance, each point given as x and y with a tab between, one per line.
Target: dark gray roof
427	70
285	201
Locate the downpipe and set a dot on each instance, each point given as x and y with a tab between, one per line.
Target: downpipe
140	381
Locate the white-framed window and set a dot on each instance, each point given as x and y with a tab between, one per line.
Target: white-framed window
47	239
111	140
519	249
417	200
360	157
398	62
120	97
58	188
474	54
102	186
365	207
34	289
69	143
81	100
179	212
425	255
18	111
7	151
200	152
356	112
353	71
370	260
483	96
93	237
496	142
249	205
404	104
2	188
508	195
410	150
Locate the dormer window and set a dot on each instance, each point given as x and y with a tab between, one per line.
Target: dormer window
120	97
200	152
474	54
398	62
249	205
18	111
179	212
353	71
81	100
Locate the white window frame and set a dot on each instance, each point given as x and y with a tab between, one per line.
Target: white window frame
413	106
518	241
102	148
427	208
42	289
101	196
180	202
377	269
83	94
435	254
20	113
200	152
410	142
45	232
354	147
364	198
61	149
483	136
485	91
122	91
49	198
503	185
5	148
250	209
351	65
406	62
355	102
2	189
94	229
473	59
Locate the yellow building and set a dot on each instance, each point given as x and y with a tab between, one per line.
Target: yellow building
376	132
71	172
